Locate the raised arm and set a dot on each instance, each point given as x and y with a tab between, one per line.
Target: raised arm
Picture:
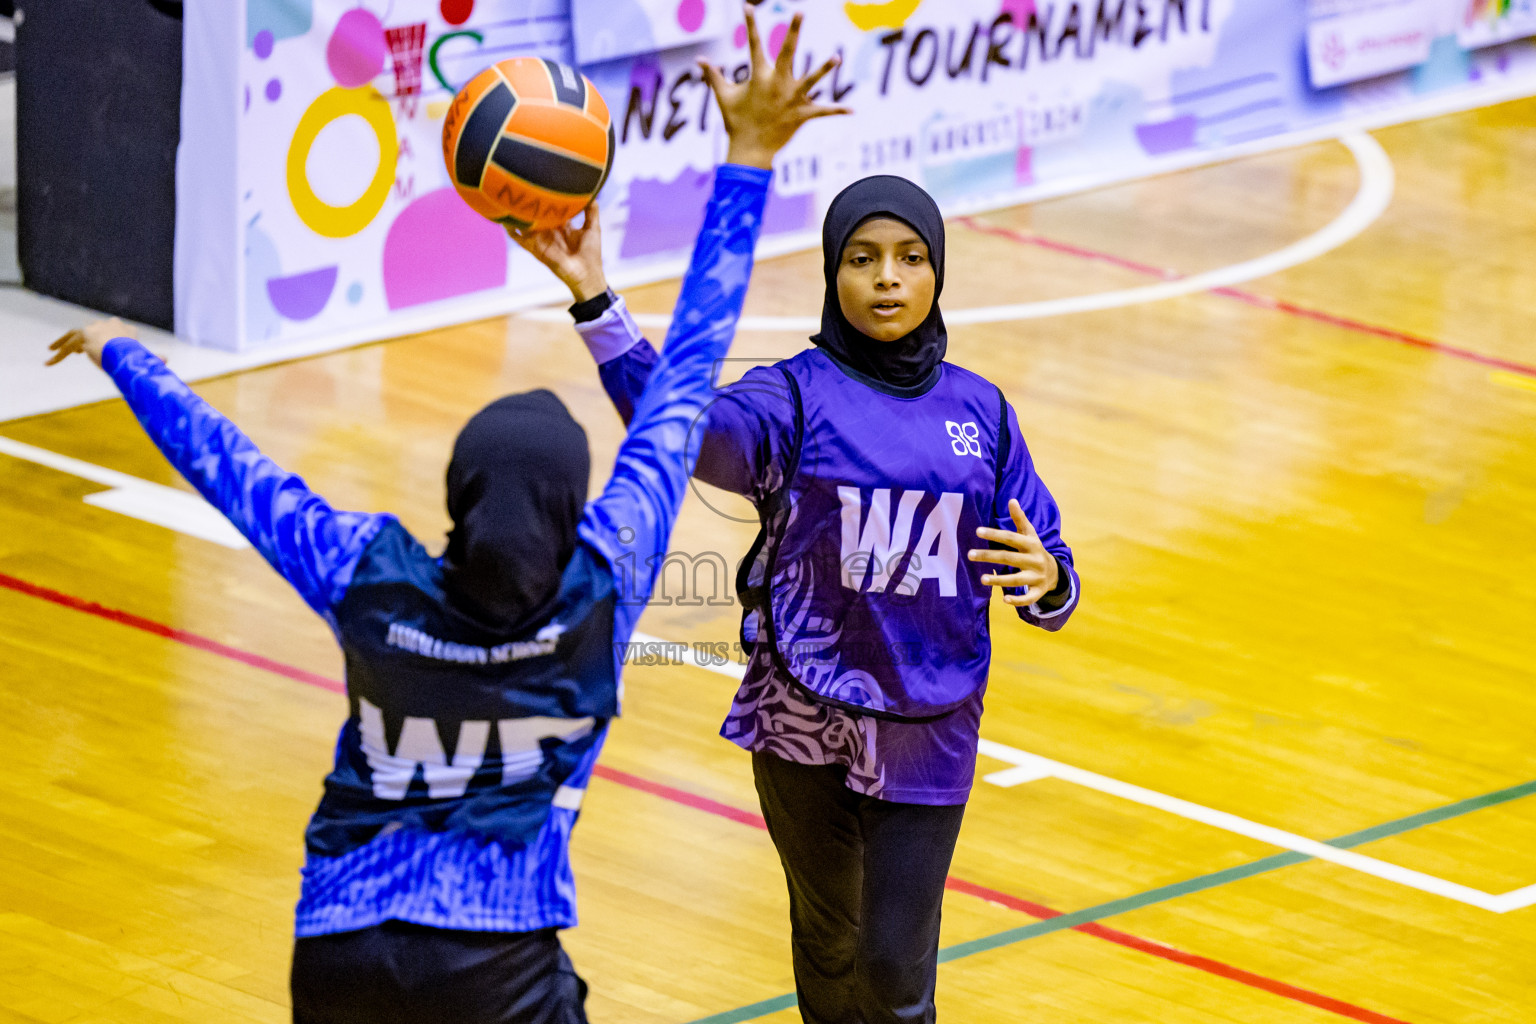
631	522
749	422
739	425
742	424
312	546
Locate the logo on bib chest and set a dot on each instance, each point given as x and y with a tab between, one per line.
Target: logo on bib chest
877	551
964	438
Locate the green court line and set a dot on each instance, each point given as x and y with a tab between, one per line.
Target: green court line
1162	894
752	1012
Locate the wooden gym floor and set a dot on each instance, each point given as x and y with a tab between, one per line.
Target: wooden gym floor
1303	508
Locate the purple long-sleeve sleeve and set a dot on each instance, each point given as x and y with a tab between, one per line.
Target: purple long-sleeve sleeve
749	425
1019	480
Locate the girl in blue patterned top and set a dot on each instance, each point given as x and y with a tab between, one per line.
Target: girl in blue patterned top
480	683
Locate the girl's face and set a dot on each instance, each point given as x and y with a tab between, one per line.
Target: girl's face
885	280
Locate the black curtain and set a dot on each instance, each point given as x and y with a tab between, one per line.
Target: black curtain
7	48
98	116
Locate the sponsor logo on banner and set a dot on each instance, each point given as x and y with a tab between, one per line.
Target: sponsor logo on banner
1350	40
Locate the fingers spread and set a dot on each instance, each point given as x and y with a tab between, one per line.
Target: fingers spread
755	43
711	75
1003	556
1016	511
786	61
65	347
1024	600
813	79
826	112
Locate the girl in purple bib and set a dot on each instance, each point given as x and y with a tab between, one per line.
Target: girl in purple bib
871	462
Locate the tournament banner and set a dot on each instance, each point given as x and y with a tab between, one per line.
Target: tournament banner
313	203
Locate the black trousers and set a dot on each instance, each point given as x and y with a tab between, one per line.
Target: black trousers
866	887
399	973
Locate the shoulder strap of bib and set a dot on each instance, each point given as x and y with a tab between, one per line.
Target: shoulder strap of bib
754	597
1004	446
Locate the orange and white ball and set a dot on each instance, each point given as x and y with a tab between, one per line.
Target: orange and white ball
528	142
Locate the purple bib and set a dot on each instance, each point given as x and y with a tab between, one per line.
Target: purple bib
869	600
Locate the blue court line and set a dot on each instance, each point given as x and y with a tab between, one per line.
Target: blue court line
1162	894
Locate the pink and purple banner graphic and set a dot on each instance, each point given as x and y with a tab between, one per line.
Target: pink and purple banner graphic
313	202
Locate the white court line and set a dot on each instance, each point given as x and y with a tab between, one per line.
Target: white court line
189	514
1029	767
155	503
1377	182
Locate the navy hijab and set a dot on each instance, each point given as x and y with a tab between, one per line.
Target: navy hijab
517	486
907	361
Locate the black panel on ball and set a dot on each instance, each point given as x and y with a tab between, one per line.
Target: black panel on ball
547	169
570	87
481	131
607	167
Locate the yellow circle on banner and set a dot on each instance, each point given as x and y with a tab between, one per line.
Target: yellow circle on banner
331	105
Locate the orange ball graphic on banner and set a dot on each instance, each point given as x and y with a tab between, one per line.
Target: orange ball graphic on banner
528	142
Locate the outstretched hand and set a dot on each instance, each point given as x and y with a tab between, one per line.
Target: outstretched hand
91	339
574	253
1037	568
763	113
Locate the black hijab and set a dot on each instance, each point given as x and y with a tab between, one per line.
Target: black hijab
910	360
516	489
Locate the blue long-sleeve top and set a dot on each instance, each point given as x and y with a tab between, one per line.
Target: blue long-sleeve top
450	879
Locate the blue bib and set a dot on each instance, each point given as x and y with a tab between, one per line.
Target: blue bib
451	727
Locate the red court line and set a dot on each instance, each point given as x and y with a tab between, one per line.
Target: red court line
1178	956
1237	974
679	796
736	814
1255	299
181	636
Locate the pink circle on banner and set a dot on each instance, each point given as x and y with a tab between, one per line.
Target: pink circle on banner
741	36
690	15
356	51
274	91
263	44
776	39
